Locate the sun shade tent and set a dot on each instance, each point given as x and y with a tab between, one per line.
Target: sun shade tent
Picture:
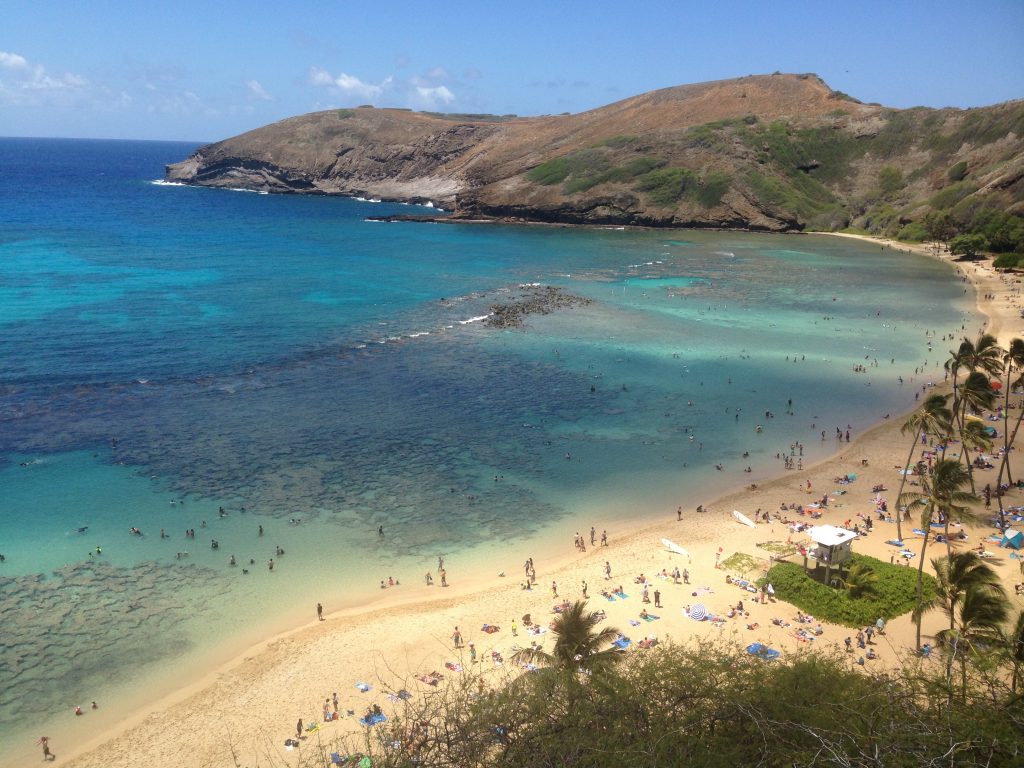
1012	538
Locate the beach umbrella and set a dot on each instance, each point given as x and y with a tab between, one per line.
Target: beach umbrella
698	612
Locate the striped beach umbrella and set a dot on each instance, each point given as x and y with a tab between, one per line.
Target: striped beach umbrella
698	612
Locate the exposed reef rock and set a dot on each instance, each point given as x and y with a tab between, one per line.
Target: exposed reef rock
532	300
774	153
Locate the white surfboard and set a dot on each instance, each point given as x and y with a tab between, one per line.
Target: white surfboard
741	518
673	547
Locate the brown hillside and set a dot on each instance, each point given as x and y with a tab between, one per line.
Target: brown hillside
775	152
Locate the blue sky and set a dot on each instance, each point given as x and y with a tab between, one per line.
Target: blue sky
180	69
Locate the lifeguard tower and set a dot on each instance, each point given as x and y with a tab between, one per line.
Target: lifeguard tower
833	547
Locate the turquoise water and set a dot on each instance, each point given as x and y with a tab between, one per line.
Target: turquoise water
286	360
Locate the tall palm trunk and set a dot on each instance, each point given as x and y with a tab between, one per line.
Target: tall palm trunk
920	582
903	483
1005	463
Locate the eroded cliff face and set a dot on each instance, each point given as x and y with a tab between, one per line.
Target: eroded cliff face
771	153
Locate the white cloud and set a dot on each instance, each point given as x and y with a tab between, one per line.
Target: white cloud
319	76
348	84
438	73
40	81
26	83
257	90
12	60
433	97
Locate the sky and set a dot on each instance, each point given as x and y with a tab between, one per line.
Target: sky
191	71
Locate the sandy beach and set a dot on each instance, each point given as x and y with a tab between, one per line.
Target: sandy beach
250	706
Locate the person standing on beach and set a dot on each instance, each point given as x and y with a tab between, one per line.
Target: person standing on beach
319	612
554	589
604	538
657	599
298	729
457	638
515	629
584	589
47	754
444	578
593	536
607	570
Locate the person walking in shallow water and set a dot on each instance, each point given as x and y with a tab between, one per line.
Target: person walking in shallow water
47	754
319	612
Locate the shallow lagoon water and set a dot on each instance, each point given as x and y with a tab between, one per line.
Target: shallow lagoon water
284	359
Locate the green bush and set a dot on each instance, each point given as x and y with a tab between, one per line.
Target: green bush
345	113
550	172
950	196
701	705
914	232
890	180
584	166
1008	261
896	593
958	171
714	185
618	142
666	186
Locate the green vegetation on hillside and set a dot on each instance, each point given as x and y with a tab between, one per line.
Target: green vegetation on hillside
707	705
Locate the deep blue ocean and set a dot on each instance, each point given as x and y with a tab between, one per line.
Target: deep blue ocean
182	358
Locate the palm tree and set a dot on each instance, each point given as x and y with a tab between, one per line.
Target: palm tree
1014	361
969	592
861	580
957	574
983	610
578	644
983	357
975	394
973	437
940	492
932	418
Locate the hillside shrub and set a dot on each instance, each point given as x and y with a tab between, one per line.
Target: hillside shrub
711	189
618	142
666	186
890	180
958	171
896	593
950	196
580	164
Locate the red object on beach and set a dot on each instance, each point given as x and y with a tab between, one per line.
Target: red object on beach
996	384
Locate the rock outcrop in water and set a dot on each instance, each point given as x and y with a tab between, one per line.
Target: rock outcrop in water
532	300
769	152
